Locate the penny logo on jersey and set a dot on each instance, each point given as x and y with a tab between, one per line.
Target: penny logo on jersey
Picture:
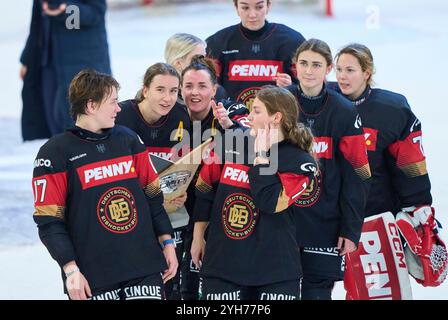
239	216
323	147
116	210
102	172
371	137
254	70
312	192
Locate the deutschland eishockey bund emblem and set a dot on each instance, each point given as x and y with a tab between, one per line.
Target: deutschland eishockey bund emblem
117	211
312	193
239	216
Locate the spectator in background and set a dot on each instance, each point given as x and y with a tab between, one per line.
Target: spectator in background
65	37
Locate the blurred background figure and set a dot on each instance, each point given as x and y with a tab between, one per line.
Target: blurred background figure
64	38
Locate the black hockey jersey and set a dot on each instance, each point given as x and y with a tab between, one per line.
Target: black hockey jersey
209	127
333	205
165	138
393	138
251	233
246	60
98	202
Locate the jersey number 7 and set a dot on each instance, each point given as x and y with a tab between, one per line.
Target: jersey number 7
36	184
418	139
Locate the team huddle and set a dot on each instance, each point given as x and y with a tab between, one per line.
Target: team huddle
307	182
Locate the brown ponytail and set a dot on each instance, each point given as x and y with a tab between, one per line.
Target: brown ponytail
302	137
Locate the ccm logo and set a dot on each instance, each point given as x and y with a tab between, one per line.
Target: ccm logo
42	163
236	175
106	171
254	70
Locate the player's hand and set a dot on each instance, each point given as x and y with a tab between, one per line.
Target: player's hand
197	251
221	115
282	79
77	286
179	201
174	204
53	12
171	260
23	71
265	138
345	246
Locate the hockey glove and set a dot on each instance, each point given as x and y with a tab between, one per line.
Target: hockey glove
425	252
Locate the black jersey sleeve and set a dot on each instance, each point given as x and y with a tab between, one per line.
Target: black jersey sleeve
50	194
149	181
206	186
355	173
273	193
407	163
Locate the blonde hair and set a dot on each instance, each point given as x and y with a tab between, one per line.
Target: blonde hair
364	57
179	46
278	99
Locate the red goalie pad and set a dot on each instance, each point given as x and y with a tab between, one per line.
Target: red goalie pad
425	252
377	269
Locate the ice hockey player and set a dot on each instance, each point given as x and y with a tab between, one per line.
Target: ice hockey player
250	251
98	204
400	186
199	87
254	52
330	213
164	126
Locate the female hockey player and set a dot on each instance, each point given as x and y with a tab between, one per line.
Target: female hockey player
330	213
394	143
98	204
162	124
400	182
180	48
254	52
251	250
199	87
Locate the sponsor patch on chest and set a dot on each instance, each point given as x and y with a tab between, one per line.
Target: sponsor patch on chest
254	70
